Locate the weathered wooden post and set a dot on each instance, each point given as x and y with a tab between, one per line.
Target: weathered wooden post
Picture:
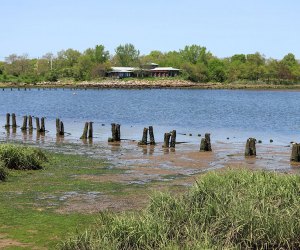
7	125
24	127
173	139
205	143
14	121
43	129
118	132
30	127
85	131
90	130
61	128
295	156
37	122
57	126
250	149
151	134
144	138
166	140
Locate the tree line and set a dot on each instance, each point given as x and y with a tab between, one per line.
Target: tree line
196	63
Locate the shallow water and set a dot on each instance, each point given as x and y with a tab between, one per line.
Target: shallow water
233	114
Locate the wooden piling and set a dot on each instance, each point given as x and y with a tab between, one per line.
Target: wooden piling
151	135
85	131
250	149
166	140
205	145
295	155
144	138
14	121
30	127
37	122
43	129
173	139
90	130
118	132
7	125
24	127
61	128
57	126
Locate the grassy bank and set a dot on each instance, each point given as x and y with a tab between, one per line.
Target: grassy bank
235	209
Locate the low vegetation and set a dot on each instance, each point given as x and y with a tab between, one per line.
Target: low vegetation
21	157
234	209
3	172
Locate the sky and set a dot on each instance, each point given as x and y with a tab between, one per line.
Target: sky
225	28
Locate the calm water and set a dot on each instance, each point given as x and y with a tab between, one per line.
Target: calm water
224	113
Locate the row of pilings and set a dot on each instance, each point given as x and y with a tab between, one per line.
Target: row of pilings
169	137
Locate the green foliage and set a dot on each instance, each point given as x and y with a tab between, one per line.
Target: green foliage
3	171
236	209
21	157
196	62
127	55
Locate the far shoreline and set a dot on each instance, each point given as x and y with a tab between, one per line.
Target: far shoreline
152	84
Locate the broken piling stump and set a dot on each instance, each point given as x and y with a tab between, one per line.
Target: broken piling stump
14	121
118	132
37	122
61	129
250	149
30	127
57	126
115	133
151	135
85	131
7	125
166	140
24	127
205	145
144	138
90	130
173	139
295	155
43	129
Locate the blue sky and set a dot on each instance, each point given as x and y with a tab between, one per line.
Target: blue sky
227	27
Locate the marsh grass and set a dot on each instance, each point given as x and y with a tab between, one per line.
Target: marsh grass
21	158
235	209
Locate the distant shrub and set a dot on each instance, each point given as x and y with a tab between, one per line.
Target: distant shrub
21	157
235	209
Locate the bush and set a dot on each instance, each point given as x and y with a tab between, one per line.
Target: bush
235	209
3	172
21	157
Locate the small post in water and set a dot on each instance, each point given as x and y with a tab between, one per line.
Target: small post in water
30	127
250	149
166	140
205	145
85	131
43	129
57	126
90	130
151	134
7	125
37	122
14	121
24	127
144	138
295	156
61	128
173	139
118	132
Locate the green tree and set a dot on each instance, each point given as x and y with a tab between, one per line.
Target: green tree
127	55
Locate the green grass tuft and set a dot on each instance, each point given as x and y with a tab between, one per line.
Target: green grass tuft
235	209
21	157
3	172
